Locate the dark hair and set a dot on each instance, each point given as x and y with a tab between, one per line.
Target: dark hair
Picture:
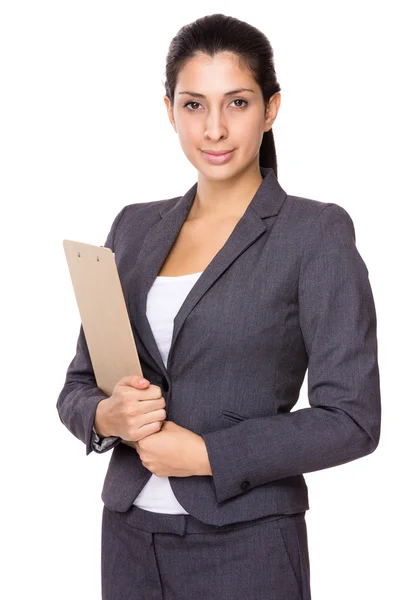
220	33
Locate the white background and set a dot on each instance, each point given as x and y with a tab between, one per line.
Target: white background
84	131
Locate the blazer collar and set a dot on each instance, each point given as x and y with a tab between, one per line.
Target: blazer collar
160	238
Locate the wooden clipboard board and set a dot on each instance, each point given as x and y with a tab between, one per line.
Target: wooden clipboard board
103	312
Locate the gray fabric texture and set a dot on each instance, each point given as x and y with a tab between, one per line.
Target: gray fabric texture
288	293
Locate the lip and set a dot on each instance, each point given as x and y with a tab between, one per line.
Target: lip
217	152
218	157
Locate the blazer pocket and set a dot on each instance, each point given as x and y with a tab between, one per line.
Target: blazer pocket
232	416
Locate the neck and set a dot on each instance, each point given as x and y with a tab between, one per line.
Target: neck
225	198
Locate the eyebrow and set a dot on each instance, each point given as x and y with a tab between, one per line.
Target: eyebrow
231	93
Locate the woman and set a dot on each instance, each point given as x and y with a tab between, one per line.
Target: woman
233	291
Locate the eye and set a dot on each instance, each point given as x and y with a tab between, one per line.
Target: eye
240	100
195	110
187	104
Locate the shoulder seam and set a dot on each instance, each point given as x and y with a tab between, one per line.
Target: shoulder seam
316	218
121	214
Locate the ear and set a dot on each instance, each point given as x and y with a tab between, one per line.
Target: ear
170	112
272	110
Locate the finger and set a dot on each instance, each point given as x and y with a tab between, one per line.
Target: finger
135	381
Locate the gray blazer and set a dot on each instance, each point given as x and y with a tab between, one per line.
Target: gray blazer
288	291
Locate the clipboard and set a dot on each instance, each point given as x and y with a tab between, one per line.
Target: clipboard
103	313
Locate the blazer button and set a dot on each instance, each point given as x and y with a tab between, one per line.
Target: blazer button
245	485
164	383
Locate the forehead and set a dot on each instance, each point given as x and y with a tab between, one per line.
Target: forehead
213	74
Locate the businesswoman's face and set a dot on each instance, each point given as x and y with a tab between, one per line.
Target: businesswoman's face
209	113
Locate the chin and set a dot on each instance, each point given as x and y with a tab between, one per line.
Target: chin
217	173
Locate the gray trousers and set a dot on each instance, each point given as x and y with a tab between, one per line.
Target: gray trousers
154	556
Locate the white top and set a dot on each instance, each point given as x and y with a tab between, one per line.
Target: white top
164	300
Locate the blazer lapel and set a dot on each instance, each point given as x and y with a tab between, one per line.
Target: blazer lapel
160	238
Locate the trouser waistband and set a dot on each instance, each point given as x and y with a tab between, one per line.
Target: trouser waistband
153	522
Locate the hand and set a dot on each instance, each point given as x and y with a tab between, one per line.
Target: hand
174	451
135	409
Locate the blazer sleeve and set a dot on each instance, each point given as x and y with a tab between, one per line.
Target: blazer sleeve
79	397
102	444
338	323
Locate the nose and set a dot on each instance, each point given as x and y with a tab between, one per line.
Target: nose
215	126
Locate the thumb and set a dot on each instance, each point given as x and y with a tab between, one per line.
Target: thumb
136	381
142	381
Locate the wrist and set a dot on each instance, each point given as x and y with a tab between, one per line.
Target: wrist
203	466
100	420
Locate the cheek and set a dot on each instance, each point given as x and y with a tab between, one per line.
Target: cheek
253	131
188	132
189	142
